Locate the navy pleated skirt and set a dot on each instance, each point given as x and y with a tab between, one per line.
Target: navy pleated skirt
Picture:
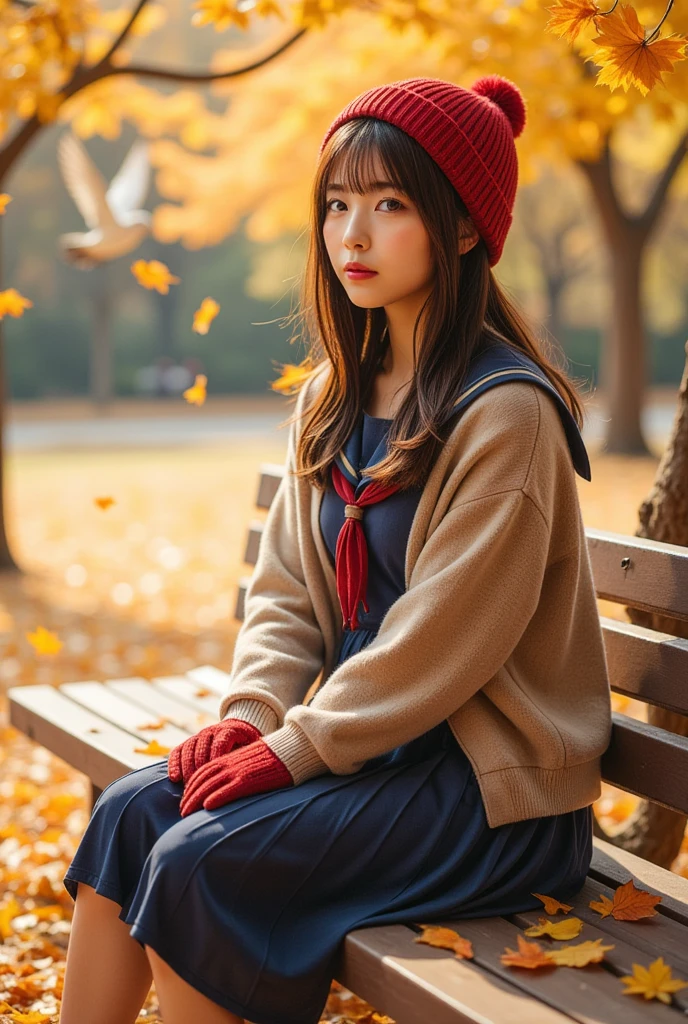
250	902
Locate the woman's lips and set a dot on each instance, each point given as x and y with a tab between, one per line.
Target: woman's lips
360	275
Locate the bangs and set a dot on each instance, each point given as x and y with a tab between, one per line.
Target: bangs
351	162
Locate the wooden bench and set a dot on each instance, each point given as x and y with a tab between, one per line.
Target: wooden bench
96	726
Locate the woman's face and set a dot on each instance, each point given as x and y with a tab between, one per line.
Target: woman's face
382	230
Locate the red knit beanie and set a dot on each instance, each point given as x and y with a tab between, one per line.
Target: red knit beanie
469	133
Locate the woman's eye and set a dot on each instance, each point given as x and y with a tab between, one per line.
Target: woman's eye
398	206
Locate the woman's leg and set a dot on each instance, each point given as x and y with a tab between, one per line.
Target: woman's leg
107	975
181	1002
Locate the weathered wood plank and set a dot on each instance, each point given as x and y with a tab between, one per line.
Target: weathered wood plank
153	700
115	708
655	578
647	761
646	664
417	984
613	866
93	746
185	690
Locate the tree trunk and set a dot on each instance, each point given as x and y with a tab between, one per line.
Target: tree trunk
654	832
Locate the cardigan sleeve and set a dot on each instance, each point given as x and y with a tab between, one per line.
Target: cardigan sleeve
279	649
472	592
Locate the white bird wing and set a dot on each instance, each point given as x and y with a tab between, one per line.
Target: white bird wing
84	182
129	186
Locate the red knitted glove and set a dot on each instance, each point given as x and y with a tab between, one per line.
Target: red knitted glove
211	742
242	772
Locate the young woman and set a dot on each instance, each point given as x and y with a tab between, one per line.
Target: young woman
424	562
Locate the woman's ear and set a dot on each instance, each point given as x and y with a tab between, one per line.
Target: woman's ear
468	236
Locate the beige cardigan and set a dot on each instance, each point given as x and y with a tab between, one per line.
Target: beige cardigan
498	630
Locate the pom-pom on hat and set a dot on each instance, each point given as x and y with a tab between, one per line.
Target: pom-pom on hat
469	133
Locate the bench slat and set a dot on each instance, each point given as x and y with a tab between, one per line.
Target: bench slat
211	677
634	941
93	746
612	866
591	995
656	579
418	984
115	708
646	664
185	690
141	692
270	475
647	761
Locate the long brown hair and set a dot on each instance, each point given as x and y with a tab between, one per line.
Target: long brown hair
466	309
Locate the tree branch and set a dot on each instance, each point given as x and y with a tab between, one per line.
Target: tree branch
651	212
125	31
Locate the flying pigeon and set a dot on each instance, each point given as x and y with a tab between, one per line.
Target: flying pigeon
114	216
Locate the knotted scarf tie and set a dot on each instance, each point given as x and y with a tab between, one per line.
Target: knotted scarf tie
351	551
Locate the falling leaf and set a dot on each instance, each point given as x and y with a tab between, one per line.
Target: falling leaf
13	304
221	14
626	58
44	642
653	982
153	747
104	503
590	952
292	376
204	315
446	938
567	929
154	274
195	395
629	903
4	200
530	954
570	17
154	725
552	905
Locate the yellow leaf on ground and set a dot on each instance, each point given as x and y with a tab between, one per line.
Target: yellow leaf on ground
590	952
567	929
552	905
44	642
653	982
153	747
629	903
446	938
8	911
4	200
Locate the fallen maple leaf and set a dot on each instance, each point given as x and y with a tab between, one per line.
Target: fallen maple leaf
567	929
552	905
204	315
292	375
629	903
653	982
104	503
4	200
44	642
195	395
154	725
570	17
153	747
530	954
626	58
8	911
590	952
154	274
446	938
12	303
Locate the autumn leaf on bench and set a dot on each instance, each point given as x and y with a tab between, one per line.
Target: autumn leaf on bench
567	929
552	905
629	903
532	955
653	982
154	748
446	938
160	724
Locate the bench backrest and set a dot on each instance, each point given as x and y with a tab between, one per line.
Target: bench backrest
644	664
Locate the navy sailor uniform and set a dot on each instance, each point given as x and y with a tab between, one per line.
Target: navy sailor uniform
250	902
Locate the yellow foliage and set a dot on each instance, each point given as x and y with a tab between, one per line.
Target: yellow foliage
196	394
652	982
627	58
44	641
204	315
569	928
13	304
154	274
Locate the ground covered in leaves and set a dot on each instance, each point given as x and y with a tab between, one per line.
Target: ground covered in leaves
145	585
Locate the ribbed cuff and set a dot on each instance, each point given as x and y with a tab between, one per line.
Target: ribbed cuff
255	712
296	752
